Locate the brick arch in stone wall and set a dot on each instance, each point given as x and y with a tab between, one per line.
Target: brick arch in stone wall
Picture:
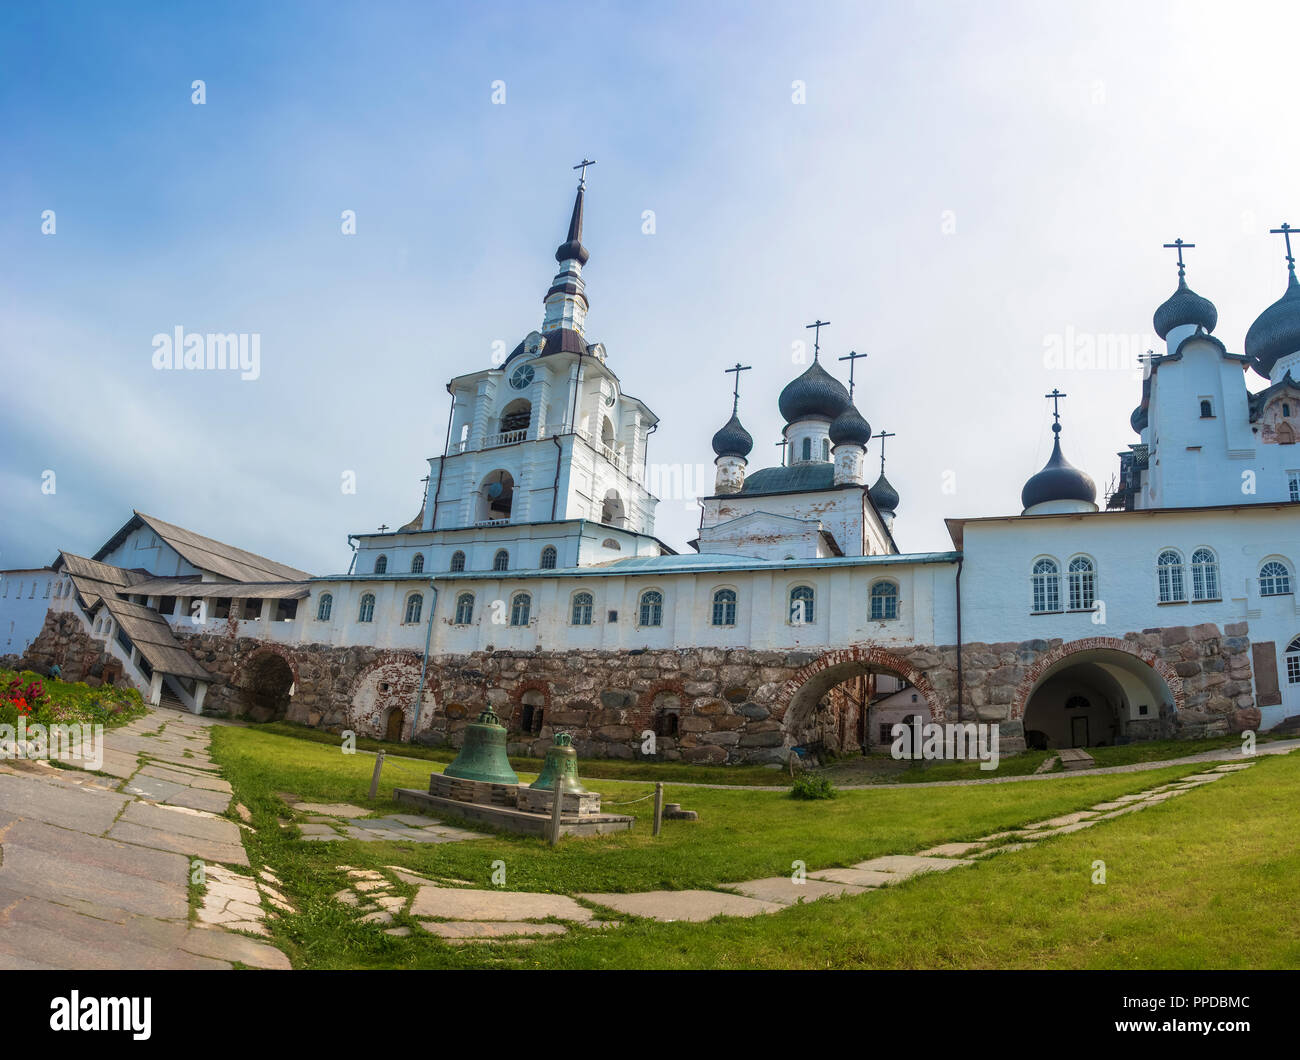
1051	658
258	682
369	706
797	697
257	657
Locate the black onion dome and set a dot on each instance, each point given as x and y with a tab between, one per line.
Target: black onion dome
733	439
572	248
883	495
1276	332
815	393
1138	421
1058	481
1184	306
849	428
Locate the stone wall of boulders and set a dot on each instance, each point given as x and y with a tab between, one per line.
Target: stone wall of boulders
730	705
63	640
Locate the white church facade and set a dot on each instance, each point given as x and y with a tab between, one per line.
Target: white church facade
532	581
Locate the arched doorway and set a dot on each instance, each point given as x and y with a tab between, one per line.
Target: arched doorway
266	686
1095	697
847	701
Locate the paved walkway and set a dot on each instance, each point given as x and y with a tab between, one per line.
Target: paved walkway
465	915
95	870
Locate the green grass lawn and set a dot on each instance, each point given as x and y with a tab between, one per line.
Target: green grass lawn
741	835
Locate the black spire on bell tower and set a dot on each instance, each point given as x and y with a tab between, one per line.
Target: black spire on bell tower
572	249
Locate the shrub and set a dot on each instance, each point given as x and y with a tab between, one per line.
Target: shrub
812	786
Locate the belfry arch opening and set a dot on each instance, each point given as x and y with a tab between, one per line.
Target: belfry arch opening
1095	698
496	496
849	707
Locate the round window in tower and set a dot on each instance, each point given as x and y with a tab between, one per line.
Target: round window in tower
522	377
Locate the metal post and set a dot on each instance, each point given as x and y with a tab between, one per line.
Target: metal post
557	807
374	778
659	806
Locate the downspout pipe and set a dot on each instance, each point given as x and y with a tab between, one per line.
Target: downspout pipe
424	663
960	685
555	490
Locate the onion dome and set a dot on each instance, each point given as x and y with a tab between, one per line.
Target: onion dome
849	428
883	495
572	248
1058	481
1184	306
1139	420
1276	332
733	439
815	394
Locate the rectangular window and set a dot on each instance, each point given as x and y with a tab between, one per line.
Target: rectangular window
1293	485
167	605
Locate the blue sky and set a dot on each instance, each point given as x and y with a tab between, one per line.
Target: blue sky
963	184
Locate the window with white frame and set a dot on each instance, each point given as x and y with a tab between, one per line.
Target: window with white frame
1046	581
652	608
1274	579
464	609
366	613
324	606
724	607
1205	575
583	604
417	563
802	599
381	565
520	607
1169	577
457	561
414	606
549	557
1293	485
1293	662
501	561
884	600
1082	584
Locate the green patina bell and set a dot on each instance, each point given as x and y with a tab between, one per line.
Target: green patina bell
562	762
483	755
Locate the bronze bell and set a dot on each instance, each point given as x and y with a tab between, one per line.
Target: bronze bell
483	755
562	762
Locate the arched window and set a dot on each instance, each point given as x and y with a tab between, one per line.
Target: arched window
417	563
582	607
457	561
884	600
724	607
1046	582
381	564
801	605
1169	575
1274	579
549	556
324	607
826	448
367	611
611	544
464	609
501	561
652	608
1205	575
1293	662
1207	409
520	606
414	605
1082	584
807	448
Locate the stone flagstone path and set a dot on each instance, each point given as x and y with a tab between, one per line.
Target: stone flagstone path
464	915
95	870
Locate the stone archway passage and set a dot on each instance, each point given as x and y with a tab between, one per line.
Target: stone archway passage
266	682
1094	693
800	694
